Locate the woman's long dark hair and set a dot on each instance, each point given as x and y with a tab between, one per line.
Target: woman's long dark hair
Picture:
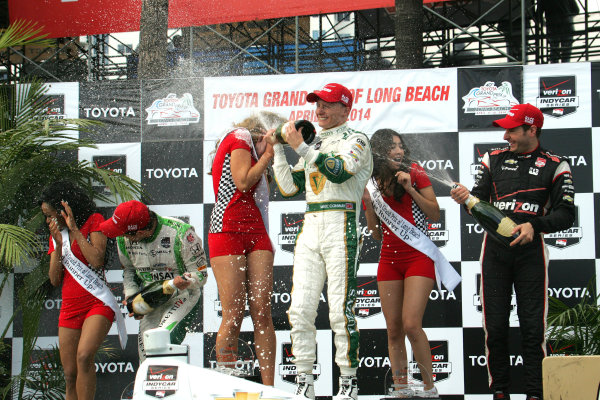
382	142
80	202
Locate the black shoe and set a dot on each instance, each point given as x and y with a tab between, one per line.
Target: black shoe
530	397
500	395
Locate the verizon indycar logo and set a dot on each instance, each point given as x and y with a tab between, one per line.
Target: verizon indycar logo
368	302
436	231
558	95
290	227
479	150
173	111
161	381
53	106
566	238
287	368
442	367
490	99
116	163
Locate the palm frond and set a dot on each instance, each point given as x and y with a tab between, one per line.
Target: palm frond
44	379
122	187
575	330
16	244
21	33
30	303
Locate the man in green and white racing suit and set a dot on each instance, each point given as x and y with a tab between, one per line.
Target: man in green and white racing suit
154	248
333	171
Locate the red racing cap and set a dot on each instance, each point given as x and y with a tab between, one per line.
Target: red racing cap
521	114
129	216
332	93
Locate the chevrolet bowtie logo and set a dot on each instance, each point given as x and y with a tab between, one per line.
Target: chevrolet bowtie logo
245	396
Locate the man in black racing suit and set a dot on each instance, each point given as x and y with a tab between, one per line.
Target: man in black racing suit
535	189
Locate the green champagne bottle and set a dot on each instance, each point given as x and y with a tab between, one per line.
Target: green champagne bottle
494	221
150	297
308	131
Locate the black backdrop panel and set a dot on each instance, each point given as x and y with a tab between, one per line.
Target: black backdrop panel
172	109
486	94
172	172
116	104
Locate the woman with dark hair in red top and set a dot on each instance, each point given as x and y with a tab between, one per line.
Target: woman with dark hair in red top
405	276
84	320
241	253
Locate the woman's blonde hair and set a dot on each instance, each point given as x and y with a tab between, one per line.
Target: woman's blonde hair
261	122
257	124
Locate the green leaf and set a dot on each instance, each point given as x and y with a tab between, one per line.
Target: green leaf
16	244
20	33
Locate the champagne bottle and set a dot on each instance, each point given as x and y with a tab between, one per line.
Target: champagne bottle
308	131
150	297
494	221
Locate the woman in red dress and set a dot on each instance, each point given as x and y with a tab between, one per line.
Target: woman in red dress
241	253
84	320
405	276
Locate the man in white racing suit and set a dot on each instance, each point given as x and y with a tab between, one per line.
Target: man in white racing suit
333	171
154	248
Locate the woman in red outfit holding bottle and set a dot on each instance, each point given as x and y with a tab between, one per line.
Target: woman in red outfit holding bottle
241	253
405	276
84	319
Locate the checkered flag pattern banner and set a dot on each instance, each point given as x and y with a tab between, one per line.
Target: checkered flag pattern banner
160	133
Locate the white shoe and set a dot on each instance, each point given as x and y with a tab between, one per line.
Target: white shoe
401	390
428	394
348	388
226	369
305	386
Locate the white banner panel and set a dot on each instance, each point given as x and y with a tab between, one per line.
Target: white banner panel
405	100
561	91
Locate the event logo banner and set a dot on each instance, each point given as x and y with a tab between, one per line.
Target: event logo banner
562	93
392	100
368	302
112	162
437	231
287	368
54	106
487	94
568	237
172	109
291	223
558	95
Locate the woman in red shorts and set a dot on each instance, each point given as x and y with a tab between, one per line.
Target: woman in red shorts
241	254
84	320
405	276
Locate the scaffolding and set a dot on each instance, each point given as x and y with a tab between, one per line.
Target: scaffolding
457	33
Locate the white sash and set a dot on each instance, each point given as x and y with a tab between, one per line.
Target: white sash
261	194
92	283
444	272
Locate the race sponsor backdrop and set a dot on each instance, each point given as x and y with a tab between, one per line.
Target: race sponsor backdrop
161	131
